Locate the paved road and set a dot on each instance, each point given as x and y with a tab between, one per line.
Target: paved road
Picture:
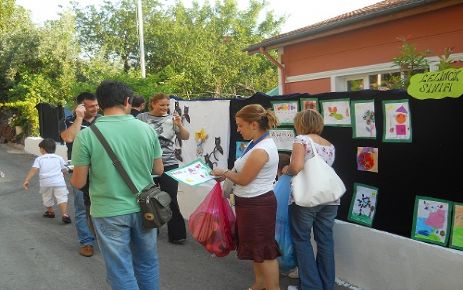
39	253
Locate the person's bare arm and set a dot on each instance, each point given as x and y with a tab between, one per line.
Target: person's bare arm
297	160
70	133
182	131
158	166
28	177
79	176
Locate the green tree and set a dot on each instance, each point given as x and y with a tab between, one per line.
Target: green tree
189	51
203	44
7	8
112	30
410	61
18	50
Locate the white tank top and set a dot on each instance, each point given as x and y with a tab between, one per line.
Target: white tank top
264	180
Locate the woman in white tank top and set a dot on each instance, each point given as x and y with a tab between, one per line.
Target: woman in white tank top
253	176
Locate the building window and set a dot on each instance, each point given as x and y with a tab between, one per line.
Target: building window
355	85
384	81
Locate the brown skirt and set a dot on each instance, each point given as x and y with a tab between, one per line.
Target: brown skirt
255	222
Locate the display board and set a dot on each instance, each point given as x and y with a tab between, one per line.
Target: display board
425	165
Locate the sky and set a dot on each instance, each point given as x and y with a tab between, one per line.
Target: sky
299	13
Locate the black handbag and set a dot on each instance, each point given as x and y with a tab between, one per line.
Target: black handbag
154	203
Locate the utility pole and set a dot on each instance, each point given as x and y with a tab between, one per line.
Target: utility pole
140	37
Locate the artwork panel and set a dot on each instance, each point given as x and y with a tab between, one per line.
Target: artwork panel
309	103
209	125
283	138
363	204
456	240
240	148
367	159
336	112
431	220
193	173
397	121
363	119
285	111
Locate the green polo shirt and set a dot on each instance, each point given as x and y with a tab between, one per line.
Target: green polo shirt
135	144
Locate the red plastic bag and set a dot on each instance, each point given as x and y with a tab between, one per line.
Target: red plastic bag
212	224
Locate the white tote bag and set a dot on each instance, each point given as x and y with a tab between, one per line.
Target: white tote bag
317	183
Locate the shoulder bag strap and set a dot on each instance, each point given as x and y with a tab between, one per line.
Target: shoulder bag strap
115	160
312	143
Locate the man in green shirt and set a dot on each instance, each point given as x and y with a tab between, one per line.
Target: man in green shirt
129	251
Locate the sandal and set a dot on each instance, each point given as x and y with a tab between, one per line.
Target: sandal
48	214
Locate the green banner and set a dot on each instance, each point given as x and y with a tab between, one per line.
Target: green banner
437	84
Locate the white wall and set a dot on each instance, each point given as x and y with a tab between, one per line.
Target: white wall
371	259
31	145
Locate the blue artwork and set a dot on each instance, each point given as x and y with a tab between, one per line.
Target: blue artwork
240	147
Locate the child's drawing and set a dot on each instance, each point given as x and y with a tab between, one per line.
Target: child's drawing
283	138
363	119
240	148
363	204
431	220
309	103
367	159
285	111
397	121
336	112
456	241
193	173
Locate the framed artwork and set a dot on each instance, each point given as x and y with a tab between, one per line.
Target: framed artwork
456	238
309	103
363	119
397	121
363	204
336	112
193	173
367	159
285	111
283	138
240	148
431	220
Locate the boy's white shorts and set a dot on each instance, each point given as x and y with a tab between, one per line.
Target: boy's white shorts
50	194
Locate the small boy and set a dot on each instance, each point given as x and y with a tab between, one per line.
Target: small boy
283	161
52	184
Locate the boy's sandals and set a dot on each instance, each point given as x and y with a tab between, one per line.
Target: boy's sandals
48	214
66	219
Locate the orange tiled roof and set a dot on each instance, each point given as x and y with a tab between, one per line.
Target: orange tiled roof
381	8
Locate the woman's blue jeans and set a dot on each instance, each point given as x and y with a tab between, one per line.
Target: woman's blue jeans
129	251
314	273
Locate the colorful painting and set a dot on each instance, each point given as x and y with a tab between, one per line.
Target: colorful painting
363	204
285	111
456	239
240	148
363	119
367	159
397	121
336	112
309	103
283	138
431	220
193	173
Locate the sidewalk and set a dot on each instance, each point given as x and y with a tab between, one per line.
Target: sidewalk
33	247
